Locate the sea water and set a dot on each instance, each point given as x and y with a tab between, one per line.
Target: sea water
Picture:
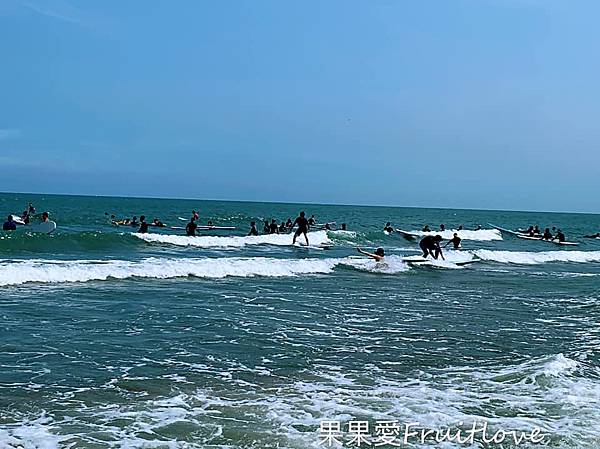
113	339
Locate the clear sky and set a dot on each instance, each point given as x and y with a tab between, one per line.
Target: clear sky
458	103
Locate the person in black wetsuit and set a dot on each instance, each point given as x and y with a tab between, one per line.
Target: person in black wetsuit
273	228
282	228
560	236
426	228
388	227
593	236
431	245
9	224
190	228
455	241
267	227
547	235
442	227
312	221
302	223
289	224
253	230
143	225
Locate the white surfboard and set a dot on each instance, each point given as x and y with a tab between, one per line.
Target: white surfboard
45	227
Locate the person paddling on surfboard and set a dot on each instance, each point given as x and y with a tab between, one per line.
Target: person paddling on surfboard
593	236
302	223
431	245
378	256
388	227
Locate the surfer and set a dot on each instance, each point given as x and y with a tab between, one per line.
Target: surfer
426	229
190	228
289	224
25	217
388	227
267	227
312	220
133	221
460	228
327	227
455	241
344	227
478	228
431	245
31	209
530	231
282	227
143	225
9	224
273	228
195	215
442	227
302	223
159	224
253	230
45	217
560	236
378	256
547	235
593	236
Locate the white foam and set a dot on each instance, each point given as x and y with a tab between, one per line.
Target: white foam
49	271
481	234
390	265
534	258
315	238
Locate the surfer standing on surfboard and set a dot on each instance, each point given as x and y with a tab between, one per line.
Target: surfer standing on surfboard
302	223
431	245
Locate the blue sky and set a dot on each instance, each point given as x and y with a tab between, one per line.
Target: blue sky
472	103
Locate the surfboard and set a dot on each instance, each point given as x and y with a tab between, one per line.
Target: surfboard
45	227
407	235
556	242
18	220
501	229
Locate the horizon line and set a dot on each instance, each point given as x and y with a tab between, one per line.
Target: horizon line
302	203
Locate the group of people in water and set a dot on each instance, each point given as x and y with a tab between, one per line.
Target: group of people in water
555	234
11	224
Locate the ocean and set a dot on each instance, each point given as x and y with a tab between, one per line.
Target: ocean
112	339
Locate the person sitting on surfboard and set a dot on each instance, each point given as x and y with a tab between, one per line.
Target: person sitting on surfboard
426	228
267	227
282	227
289	224
9	224
312	220
143	225
273	228
431	245
388	227
378	256
560	236
547	234
253	230
190	228
302	223
455	241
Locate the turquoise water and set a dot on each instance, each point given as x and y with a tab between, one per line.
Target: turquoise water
111	339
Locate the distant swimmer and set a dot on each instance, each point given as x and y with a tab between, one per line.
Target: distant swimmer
253	230
560	236
344	227
267	227
25	217
133	222
478	228
593	236
426	229
273	228
442	227
455	241
31	209
460	228
159	224
190	228
388	227
195	215
45	217
327	227
9	224
431	245
547	235
378	256
312	220
143	225
302	223
209	223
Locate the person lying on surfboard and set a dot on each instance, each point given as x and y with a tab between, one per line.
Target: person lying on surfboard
388	227
593	236
378	256
431	245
